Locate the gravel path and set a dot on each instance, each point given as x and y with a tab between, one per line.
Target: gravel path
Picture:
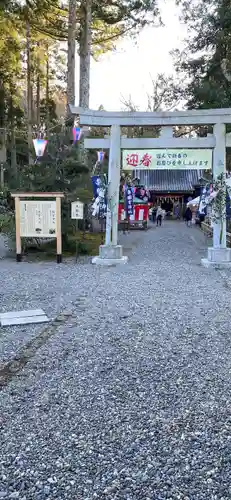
128	397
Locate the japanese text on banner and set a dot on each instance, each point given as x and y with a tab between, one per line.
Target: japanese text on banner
129	200
158	159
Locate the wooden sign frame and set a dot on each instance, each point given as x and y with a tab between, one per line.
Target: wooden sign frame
20	196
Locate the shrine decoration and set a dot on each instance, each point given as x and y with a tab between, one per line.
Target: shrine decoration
39	147
128	196
142	193
99	206
76	131
170	159
100	156
139	216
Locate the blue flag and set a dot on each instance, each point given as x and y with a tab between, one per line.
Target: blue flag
96	183
76	131
129	206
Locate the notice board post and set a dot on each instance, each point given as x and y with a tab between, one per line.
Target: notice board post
38	218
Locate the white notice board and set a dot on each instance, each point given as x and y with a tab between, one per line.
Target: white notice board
77	210
38	219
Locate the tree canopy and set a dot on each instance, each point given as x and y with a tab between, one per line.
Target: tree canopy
205	63
33	63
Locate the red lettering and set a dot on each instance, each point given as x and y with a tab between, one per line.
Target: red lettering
132	160
146	160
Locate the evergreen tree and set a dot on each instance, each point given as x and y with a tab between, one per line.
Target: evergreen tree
206	59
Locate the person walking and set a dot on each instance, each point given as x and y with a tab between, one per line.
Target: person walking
177	211
154	210
159	216
188	216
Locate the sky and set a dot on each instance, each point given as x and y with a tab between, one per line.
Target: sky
128	71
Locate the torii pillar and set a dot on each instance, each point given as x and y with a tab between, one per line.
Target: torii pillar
219	255
111	253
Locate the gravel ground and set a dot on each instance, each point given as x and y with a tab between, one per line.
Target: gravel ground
129	397
49	286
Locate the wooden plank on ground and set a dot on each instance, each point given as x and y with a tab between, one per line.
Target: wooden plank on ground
24	321
22	314
23	317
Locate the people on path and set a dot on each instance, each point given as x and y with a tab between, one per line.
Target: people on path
188	216
154	210
177	211
159	216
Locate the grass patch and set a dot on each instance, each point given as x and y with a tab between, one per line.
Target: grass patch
82	243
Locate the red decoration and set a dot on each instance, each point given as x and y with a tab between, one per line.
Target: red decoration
136	215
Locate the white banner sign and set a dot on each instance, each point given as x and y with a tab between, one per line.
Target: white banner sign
38	219
77	210
167	159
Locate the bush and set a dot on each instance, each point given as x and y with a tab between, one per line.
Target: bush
7	224
83	248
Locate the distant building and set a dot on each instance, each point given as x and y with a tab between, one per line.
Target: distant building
171	186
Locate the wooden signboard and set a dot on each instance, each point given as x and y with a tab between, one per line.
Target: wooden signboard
77	210
38	218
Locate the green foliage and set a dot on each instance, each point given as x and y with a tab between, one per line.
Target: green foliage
46	23
76	244
7	227
33	64
83	248
206	59
7	223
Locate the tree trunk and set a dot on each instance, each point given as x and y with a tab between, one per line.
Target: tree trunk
3	148
85	52
13	152
47	94
29	96
38	102
38	87
71	44
13	156
84	66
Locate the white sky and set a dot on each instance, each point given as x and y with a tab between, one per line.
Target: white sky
129	69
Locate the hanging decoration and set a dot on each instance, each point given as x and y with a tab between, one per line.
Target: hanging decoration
205	198
142	193
129	205
39	146
95	184
100	155
76	131
99	207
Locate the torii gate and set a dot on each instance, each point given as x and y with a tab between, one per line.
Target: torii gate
111	253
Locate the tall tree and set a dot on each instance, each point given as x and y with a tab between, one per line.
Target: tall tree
71	49
10	73
102	23
205	61
28	30
85	41
29	92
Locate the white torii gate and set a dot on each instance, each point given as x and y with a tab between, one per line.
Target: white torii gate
111	252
